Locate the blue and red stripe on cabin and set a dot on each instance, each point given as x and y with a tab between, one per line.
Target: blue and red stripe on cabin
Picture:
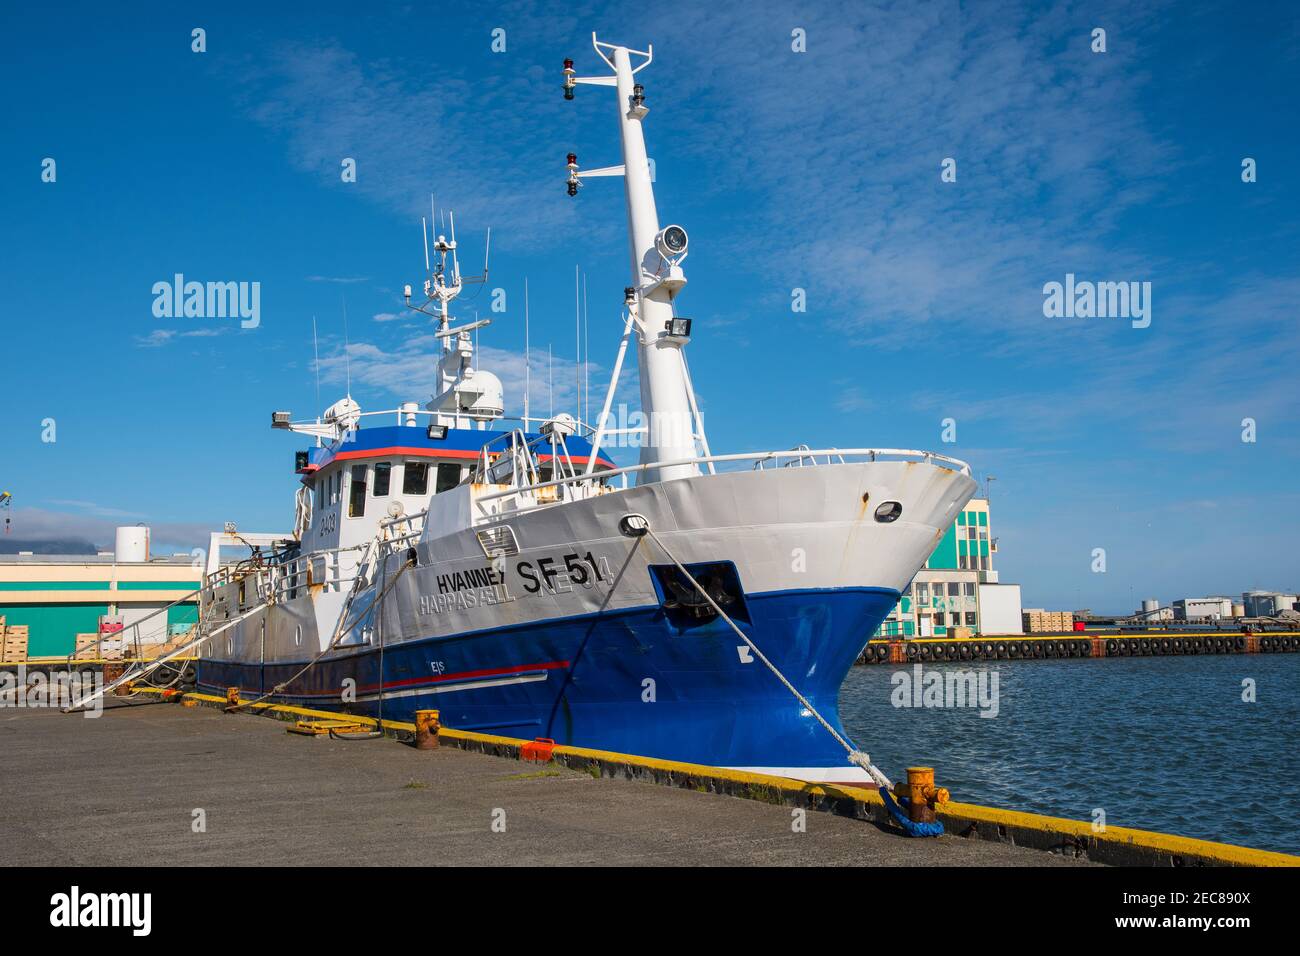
410	441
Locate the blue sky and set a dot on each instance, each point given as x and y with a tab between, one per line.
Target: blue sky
817	170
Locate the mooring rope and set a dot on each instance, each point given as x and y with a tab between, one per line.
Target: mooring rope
910	826
856	756
339	632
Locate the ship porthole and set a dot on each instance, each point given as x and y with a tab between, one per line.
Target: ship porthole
888	511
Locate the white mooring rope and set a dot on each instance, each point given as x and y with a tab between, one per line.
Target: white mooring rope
856	756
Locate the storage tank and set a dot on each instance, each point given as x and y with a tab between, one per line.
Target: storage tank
1149	605
132	544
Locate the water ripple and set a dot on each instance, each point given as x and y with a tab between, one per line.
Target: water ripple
1158	743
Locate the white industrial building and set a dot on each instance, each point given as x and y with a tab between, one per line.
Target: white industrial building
1206	608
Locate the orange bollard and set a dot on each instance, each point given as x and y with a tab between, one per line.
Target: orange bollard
921	794
426	729
232	696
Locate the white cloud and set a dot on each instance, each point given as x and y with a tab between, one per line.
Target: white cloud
159	337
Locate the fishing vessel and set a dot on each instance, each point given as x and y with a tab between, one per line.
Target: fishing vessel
506	572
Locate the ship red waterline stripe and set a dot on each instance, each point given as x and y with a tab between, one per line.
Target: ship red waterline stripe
467	675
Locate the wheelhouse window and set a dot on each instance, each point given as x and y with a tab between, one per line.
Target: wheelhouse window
415	478
383	475
357	492
448	477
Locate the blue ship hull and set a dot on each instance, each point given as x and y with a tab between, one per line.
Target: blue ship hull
632	681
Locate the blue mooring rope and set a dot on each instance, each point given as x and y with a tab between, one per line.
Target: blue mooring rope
900	816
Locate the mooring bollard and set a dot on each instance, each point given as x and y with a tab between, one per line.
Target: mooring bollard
232	696
921	794
426	730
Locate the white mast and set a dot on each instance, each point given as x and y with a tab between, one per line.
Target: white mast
657	275
465	393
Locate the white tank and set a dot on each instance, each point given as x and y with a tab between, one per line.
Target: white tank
132	544
1150	604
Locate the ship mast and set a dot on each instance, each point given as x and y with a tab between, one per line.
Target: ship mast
667	401
464	394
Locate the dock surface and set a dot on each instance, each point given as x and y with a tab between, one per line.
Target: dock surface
122	789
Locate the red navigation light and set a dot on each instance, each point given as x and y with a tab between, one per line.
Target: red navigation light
569	80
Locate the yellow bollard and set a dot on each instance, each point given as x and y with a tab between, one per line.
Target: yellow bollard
232	696
426	730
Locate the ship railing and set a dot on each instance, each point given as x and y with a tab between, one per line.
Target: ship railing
531	422
585	485
506	458
398	533
807	456
287	580
515	459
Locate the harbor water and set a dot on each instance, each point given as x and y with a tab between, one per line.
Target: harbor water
1157	743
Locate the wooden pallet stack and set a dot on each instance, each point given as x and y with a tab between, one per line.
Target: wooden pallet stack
1038	621
85	648
13	643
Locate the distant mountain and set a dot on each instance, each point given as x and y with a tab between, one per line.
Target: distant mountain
48	546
